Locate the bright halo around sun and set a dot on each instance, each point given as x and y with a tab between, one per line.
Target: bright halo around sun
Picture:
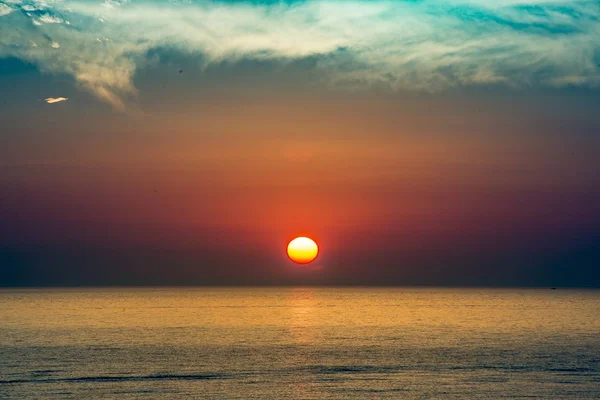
302	250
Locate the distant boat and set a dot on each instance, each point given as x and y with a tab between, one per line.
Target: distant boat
552	288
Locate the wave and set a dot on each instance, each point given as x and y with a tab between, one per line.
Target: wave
121	378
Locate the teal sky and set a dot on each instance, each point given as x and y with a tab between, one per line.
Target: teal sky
425	45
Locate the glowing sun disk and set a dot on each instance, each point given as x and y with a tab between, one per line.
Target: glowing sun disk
302	250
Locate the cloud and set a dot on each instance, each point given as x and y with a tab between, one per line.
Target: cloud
50	19
5	10
52	100
428	45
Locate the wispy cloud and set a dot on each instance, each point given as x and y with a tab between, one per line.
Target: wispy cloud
426	45
52	100
5	10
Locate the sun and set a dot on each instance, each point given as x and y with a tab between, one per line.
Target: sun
302	250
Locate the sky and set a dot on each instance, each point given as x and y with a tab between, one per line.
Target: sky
447	142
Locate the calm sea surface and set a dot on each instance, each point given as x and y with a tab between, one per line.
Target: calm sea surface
300	343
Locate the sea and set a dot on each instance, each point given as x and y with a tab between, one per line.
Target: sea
299	343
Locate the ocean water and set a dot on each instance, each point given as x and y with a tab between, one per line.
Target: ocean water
300	343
